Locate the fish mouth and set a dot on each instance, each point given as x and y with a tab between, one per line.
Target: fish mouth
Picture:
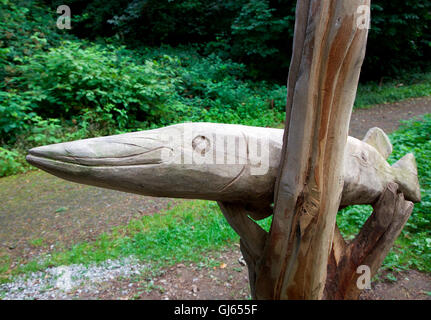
106	172
99	152
119	162
39	160
58	168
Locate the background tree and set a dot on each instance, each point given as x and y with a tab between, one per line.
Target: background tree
256	32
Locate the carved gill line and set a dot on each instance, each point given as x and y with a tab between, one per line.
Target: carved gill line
243	168
234	179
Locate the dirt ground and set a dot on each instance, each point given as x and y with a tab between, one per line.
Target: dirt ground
37	207
230	281
41	212
387	116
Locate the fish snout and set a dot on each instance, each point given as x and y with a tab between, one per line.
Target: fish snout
105	151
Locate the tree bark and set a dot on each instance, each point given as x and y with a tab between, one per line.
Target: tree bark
328	53
251	234
370	246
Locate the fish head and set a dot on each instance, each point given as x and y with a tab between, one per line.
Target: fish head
191	160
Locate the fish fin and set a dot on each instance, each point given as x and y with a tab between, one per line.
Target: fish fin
408	162
406	172
377	138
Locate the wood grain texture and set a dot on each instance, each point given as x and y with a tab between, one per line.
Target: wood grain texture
310	182
370	246
252	237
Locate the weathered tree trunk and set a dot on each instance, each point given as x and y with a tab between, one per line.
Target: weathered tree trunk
370	246
328	52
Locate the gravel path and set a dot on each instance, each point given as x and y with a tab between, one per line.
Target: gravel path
67	282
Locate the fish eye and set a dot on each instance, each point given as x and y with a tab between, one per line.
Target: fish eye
201	144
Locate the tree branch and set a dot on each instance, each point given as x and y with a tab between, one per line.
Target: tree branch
370	246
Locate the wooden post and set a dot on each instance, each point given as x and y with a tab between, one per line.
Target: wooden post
328	53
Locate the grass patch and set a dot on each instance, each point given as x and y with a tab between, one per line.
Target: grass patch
5	263
38	242
183	233
410	86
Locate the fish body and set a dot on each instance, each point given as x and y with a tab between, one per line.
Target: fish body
221	162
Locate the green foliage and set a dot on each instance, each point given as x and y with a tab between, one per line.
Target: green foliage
399	38
413	247
154	22
351	219
11	162
258	32
26	27
214	90
71	80
38	242
123	90
254	28
408	86
14	113
415	241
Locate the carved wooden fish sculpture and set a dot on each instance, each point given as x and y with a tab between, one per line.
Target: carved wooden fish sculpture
220	162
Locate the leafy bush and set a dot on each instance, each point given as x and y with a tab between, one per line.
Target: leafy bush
415	137
11	163
214	90
78	90
14	112
26	27
70	79
399	39
126	90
